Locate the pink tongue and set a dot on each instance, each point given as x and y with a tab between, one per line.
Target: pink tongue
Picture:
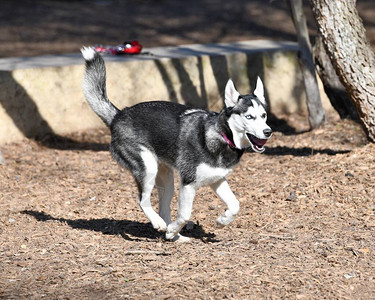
258	142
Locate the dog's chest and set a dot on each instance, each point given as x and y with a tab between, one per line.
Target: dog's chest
206	174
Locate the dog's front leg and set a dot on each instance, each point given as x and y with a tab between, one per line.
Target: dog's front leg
185	206
223	190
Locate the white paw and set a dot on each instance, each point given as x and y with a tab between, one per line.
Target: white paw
224	220
172	231
178	238
181	239
219	224
169	235
159	224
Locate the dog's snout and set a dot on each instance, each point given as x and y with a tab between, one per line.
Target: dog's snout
267	132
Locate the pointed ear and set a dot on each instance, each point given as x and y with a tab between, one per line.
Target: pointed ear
231	94
259	91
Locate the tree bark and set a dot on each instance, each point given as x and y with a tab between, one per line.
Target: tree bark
314	104
336	92
351	55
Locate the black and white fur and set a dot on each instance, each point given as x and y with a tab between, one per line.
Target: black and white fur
152	138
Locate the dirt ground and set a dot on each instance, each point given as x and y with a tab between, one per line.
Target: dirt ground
70	227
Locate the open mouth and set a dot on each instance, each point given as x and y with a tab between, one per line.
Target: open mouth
256	144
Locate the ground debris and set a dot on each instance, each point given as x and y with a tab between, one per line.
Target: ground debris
303	223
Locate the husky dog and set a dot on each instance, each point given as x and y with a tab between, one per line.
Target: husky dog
152	138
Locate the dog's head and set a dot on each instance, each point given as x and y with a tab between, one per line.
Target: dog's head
247	117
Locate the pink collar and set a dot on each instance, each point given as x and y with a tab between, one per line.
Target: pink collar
229	142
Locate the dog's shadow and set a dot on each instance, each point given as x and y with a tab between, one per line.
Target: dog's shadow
129	230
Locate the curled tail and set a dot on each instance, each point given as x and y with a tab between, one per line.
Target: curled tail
94	86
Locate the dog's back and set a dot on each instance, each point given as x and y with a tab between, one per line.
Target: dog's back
154	125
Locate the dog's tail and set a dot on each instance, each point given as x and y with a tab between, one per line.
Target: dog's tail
94	86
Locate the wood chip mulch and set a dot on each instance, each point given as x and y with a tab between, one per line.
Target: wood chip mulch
70	227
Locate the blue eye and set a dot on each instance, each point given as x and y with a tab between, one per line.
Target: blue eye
249	117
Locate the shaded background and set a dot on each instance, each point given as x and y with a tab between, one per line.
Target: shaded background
35	27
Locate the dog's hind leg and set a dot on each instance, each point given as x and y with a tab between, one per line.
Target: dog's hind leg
146	184
165	186
185	205
223	190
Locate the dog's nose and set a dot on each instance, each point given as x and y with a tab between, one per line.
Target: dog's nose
267	132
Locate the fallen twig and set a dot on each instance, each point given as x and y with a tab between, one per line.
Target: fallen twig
138	252
279	237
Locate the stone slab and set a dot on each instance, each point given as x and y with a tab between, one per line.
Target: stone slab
43	95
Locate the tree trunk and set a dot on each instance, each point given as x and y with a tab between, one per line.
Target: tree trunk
333	87
314	104
351	55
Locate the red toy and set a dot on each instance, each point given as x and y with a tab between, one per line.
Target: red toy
133	47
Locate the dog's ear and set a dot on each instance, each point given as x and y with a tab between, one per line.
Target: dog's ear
259	91
231	94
